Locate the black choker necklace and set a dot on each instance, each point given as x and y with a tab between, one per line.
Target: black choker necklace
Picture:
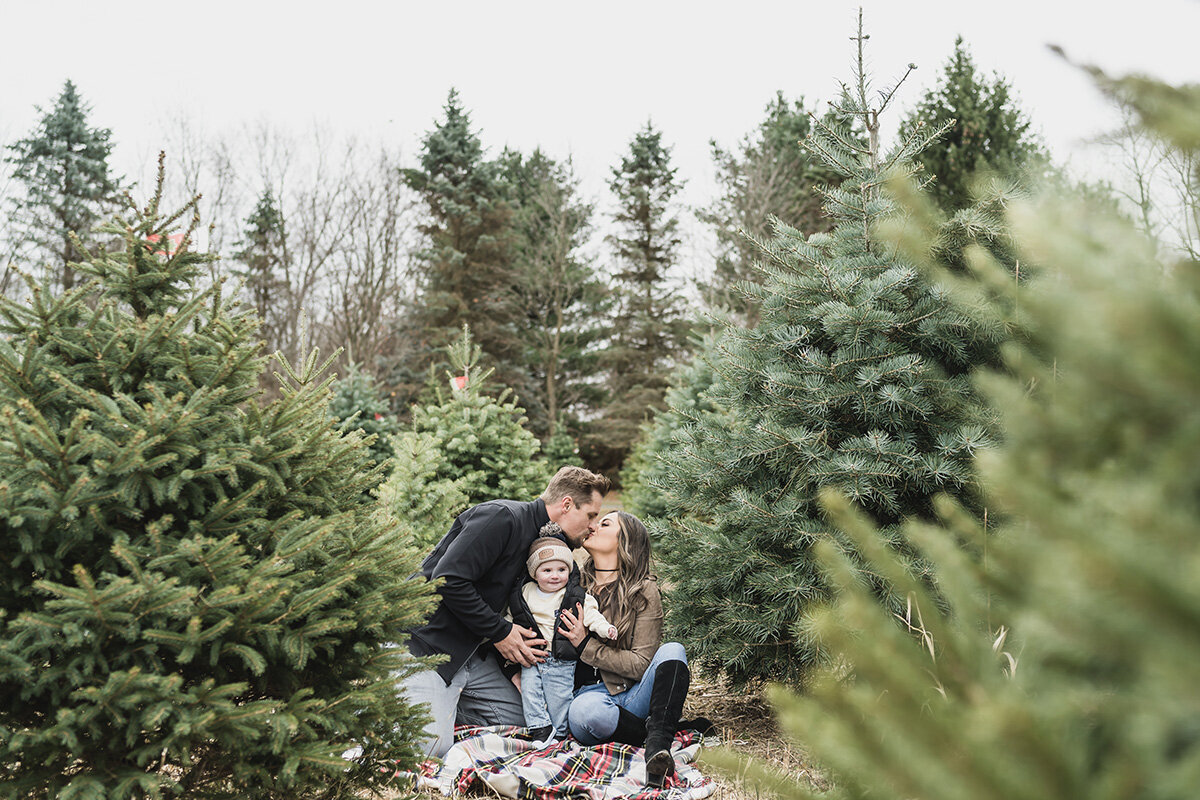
615	569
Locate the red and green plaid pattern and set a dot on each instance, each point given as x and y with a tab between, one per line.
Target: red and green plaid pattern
505	761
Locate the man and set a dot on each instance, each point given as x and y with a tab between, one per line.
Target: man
479	562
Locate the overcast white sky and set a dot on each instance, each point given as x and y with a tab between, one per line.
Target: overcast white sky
575	78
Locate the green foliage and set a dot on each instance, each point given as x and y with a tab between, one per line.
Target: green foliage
262	261
767	177
645	493
649	328
855	378
418	495
560	450
1061	658
465	271
197	599
563	300
988	132
465	448
68	189
359	404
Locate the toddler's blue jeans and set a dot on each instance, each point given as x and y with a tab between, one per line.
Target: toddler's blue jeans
546	690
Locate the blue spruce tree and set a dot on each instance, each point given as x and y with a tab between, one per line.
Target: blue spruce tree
855	378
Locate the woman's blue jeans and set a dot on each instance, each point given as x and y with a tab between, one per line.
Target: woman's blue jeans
593	714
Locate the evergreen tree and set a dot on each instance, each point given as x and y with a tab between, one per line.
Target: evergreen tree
649	329
464	448
261	255
418	495
197	600
855	378
988	133
644	492
769	176
68	188
1059	658
561	449
359	404
563	300
465	272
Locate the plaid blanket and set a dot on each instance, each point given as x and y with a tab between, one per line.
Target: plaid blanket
505	761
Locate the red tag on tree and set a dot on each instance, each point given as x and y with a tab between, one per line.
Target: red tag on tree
459	381
174	240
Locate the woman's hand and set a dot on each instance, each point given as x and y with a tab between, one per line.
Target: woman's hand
571	626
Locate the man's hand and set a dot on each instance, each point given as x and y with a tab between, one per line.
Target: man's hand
522	646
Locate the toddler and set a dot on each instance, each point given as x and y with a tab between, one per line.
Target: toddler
547	688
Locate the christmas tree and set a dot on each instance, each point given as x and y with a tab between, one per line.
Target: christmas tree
563	297
855	378
1059	658
649	330
465	270
988	133
645	492
262	256
68	188
766	177
467	447
359	404
197	597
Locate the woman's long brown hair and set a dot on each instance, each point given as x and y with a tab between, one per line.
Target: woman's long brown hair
633	558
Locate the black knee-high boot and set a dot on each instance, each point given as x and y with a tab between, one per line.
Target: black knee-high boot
671	681
631	729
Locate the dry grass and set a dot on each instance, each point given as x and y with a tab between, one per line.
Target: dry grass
747	724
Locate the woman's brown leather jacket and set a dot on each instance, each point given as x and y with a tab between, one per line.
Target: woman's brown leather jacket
623	662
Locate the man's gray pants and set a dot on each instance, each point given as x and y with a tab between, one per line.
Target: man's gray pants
478	694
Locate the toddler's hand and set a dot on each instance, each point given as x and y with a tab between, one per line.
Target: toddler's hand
612	631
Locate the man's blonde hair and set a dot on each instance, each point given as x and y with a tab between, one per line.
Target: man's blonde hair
578	483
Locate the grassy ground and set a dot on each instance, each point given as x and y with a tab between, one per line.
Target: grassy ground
747	725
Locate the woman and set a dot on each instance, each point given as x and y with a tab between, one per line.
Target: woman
632	688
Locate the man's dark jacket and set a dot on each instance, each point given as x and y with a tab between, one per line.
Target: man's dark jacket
561	647
479	560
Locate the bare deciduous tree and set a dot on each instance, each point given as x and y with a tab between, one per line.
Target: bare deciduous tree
368	285
1159	183
338	263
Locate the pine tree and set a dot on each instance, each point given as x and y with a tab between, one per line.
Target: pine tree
1059	657
644	492
197	598
68	188
465	273
418	494
261	255
768	176
563	300
464	448
988	134
855	378
649	329
359	404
